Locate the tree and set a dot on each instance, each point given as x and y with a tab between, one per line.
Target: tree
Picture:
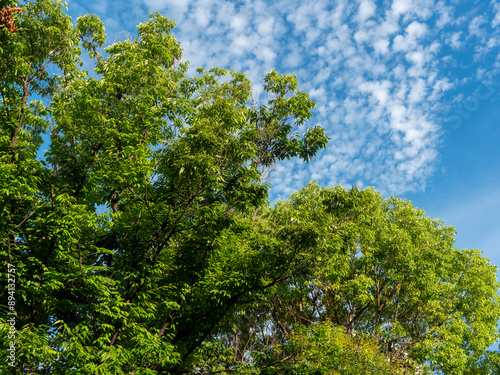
125	238
143	242
385	273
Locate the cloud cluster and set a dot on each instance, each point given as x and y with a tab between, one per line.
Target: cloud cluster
378	70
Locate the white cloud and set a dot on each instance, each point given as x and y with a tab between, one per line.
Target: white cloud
401	6
265	26
476	26
413	33
176	8
292	59
381	46
202	13
416	30
418	91
376	68
446	16
455	40
421	9
239	23
367	9
496	20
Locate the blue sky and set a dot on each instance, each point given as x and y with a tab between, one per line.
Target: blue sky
408	90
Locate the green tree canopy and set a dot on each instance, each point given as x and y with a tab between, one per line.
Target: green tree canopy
118	236
144	243
383	270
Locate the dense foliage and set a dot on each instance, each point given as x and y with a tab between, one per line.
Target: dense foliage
144	243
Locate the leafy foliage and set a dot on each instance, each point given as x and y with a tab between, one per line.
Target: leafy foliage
119	236
144	243
382	271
